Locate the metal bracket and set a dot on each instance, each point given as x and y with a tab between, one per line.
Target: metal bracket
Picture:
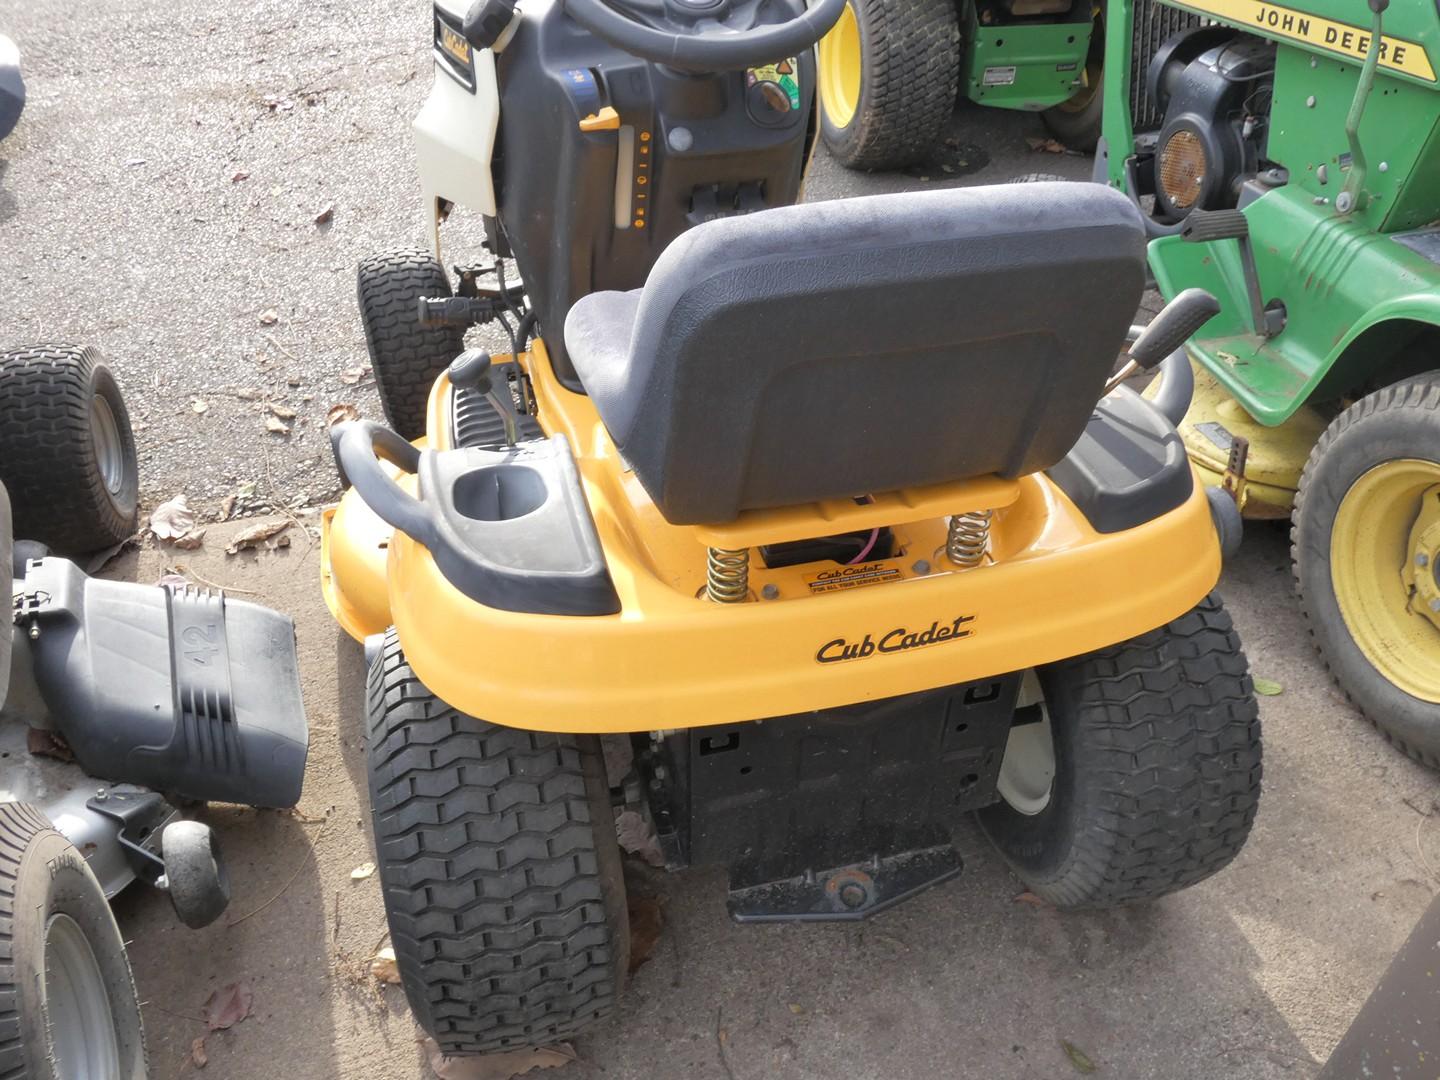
1234	481
141	817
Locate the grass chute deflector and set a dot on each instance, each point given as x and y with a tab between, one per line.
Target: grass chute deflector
817	518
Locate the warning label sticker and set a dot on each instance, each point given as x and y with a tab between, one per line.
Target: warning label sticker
852	577
1352	41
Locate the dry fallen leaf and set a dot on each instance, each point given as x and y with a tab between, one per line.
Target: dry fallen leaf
1028	897
1267	687
42	743
341	414
276	426
351	376
798	1010
197	1052
363	871
247	393
282	411
1049	146
198	407
500	1066
227	1006
646	922
239	176
269	317
256	534
190	541
172	519
383	967
636	837
227	507
326	215
1078	1058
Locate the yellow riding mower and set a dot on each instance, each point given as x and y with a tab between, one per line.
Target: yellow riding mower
828	532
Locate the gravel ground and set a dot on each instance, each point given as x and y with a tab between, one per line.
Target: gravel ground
160	197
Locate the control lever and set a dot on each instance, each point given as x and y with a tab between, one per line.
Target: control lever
1177	321
471	371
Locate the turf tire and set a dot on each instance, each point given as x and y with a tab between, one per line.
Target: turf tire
1157	768
406	357
501	873
42	879
48	456
909	79
1398	421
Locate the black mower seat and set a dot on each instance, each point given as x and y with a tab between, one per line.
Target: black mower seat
866	345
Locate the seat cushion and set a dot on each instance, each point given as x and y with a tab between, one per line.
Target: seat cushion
845	348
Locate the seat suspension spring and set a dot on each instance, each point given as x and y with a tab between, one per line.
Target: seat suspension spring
727	575
968	537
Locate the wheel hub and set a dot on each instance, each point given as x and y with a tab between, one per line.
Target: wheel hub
1384	546
1422	563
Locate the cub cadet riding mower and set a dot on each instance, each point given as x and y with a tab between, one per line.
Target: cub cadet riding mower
890	71
119	704
1296	176
808	512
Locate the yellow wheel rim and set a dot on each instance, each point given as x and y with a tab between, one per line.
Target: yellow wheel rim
840	70
1383	550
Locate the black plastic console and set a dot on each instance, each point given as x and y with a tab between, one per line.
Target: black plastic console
179	690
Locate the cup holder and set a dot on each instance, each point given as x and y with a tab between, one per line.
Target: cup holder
499	493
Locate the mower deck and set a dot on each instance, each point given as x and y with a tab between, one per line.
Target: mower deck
1051	587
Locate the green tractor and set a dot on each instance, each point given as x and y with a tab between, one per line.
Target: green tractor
1287	160
890	72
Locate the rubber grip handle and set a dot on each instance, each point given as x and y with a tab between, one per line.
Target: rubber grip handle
1203	226
360	446
1176	323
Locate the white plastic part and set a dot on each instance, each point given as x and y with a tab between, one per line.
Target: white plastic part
455	141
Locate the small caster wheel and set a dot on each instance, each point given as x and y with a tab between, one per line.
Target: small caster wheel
198	885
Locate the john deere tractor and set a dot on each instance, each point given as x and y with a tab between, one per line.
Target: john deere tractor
890	72
1287	158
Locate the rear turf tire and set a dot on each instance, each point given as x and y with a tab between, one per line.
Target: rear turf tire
67	452
501	873
406	357
67	999
1394	424
909	78
1157	768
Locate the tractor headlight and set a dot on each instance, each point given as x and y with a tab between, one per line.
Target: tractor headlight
1182	170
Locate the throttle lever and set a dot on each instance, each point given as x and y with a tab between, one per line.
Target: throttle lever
1177	322
471	371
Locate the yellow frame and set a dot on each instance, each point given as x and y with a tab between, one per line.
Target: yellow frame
1051	588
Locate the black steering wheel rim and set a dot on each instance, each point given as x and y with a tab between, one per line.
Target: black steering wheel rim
708	50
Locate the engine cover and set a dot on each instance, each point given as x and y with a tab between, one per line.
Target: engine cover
602	158
1216	110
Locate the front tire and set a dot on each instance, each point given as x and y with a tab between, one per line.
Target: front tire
406	357
67	999
1365	537
889	73
67	451
1156	768
501	873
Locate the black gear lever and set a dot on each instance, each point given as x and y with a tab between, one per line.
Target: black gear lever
471	371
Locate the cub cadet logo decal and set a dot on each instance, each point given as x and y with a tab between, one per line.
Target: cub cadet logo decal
1352	41
900	639
851	577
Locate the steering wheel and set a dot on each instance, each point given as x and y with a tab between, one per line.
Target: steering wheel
706	35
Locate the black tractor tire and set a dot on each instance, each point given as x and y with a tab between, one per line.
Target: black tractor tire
1396	422
1157	768
51	909
59	405
909	79
406	357
500	869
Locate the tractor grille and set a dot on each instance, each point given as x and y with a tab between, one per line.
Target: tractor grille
1154	24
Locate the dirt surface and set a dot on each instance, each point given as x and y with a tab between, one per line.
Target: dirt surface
123	225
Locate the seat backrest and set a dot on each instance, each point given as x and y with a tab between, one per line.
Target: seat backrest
843	348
